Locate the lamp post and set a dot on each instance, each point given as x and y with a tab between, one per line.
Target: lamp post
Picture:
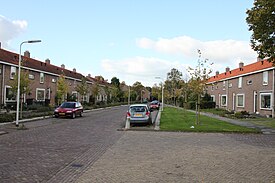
162	97
129	96
18	80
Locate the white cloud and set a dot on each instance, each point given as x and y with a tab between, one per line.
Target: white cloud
10	29
218	51
141	69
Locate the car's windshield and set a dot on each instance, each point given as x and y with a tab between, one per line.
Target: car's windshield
68	105
138	109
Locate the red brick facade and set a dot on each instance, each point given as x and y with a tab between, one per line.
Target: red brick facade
248	88
43	78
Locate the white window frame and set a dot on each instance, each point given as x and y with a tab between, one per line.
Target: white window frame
266	94
42	77
36	96
75	93
237	100
265	78
5	94
240	82
213	98
13	72
31	76
223	105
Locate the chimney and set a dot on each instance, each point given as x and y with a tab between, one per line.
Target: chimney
227	69
63	66
74	70
48	61
0	45
27	54
241	64
89	75
217	73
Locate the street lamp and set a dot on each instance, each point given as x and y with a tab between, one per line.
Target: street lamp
162	98
18	80
129	96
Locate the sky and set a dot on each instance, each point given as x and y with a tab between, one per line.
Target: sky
133	40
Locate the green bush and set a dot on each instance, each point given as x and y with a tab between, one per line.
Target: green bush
7	117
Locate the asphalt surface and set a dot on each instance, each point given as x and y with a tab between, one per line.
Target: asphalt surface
92	149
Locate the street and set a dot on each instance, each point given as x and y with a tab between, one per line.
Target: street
92	149
60	150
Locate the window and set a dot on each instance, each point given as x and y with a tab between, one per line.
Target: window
74	95
213	98
53	80
265	78
240	82
48	93
40	94
230	85
9	95
240	100
265	100
13	72
224	100
212	88
42	77
223	84
31	76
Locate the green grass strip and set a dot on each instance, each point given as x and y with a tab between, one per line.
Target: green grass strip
173	119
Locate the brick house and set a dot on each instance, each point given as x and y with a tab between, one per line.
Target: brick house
247	88
43	77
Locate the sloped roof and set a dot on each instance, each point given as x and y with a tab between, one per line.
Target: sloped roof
94	80
254	67
13	58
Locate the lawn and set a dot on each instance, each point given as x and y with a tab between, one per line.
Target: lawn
173	119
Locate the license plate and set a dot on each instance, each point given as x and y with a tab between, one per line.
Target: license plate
62	114
138	115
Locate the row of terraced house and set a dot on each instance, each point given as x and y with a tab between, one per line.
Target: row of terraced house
44	77
247	88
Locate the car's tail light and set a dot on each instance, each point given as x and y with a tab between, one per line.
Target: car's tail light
147	113
128	114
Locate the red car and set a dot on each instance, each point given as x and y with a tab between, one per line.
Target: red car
154	105
71	109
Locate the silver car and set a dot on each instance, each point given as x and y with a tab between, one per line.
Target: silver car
139	113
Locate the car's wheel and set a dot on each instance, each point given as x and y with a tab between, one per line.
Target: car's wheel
73	115
81	114
56	115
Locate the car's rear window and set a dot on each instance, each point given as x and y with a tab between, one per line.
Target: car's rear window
68	105
138	109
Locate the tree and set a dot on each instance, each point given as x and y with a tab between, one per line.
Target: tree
115	82
137	88
82	88
62	89
174	76
198	80
261	20
24	87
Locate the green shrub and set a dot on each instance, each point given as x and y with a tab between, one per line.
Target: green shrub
7	117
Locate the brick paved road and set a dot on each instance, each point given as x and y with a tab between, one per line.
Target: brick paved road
90	149
58	150
186	157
